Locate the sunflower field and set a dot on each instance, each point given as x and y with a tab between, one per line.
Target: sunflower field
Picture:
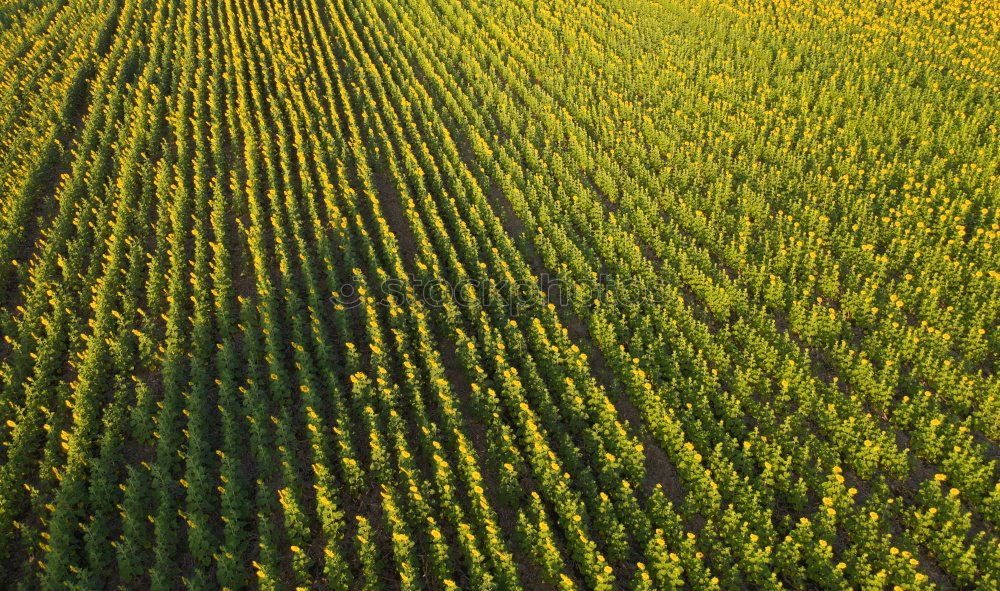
499	295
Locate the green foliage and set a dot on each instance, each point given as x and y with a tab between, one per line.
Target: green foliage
428	294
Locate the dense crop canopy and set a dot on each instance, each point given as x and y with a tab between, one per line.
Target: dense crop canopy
499	295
